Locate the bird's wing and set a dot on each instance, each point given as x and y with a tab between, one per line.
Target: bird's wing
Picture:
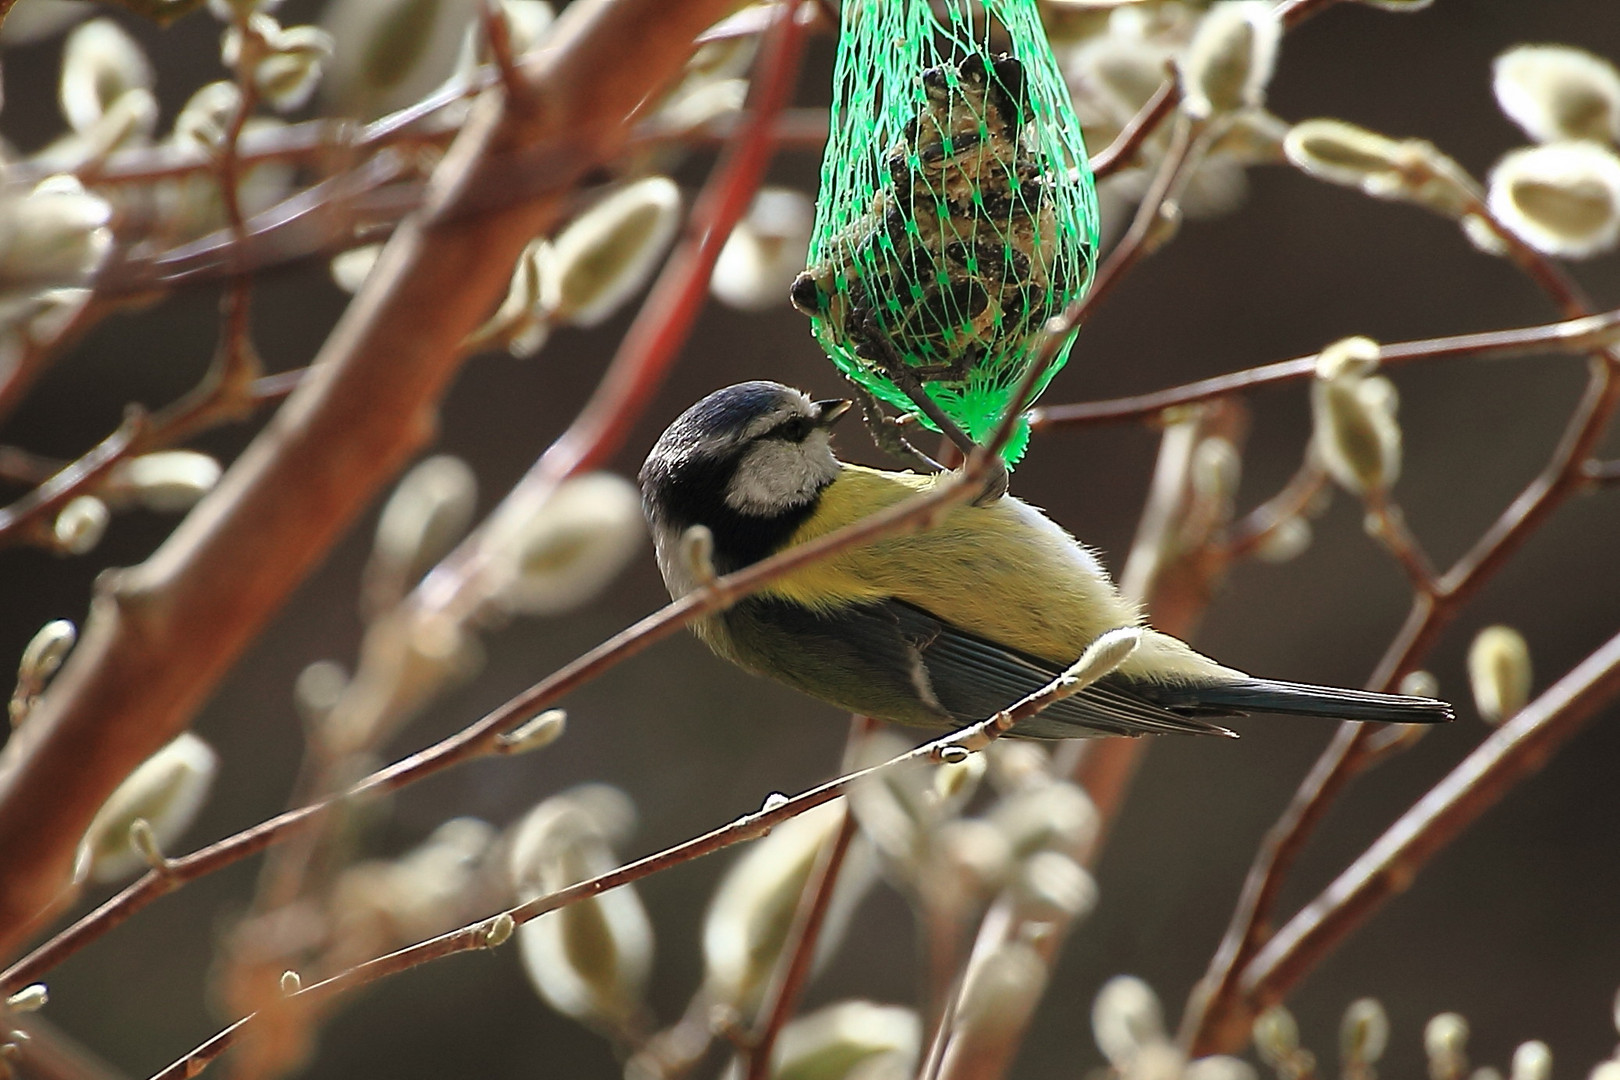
895	661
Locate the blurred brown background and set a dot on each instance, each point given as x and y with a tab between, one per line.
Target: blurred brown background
1517	926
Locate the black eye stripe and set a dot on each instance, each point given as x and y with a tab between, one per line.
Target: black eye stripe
793	430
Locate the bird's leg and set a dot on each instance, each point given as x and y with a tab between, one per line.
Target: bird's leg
885	431
893	365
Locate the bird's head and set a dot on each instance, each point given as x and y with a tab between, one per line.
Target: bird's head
757	449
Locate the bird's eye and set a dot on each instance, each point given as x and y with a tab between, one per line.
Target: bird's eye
794	430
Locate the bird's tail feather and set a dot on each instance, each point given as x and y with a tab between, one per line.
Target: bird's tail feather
1304	699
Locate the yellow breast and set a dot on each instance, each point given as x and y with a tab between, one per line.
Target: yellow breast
1005	572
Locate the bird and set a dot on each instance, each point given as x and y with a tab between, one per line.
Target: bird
939	628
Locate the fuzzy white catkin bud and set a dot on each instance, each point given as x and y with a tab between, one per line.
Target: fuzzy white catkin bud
318	689
836	1040
606	254
40	19
1056	816
1532	1060
974	854
55	235
1288	540
1356	435
1104	655
523	319
31	998
167	481
390	53
589	960
1561	198
46	651
100	63
287	77
1555	92
1420	684
1050	887
80	525
351	268
207	115
1125	1017
535	733
748	920
423	519
1499	673
1219	1067
166	791
1445	1041
1363	1033
1231	57
1606	1070
1276	1035
554	557
765	252
40	660
1408	170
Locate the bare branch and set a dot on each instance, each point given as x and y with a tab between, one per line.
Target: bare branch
229	565
1516	750
1578	335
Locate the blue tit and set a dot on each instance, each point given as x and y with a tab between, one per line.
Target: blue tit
938	628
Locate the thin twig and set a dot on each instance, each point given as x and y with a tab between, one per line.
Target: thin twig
1121	153
1388	526
1600	473
971	739
1514	751
1578	335
1218	1015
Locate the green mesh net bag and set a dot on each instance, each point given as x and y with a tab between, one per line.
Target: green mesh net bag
957	210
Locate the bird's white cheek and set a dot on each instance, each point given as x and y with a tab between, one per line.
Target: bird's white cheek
776	474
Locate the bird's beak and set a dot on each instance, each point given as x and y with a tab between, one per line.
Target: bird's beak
829	411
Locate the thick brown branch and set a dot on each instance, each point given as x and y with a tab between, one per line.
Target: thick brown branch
161	634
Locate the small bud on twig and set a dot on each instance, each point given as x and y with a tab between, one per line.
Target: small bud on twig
1231	58
1125	1017
40	660
533	734
1445	1041
145	844
1363	1034
1499	673
291	983
29	999
499	930
164	793
1532	1061
80	525
1356	434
